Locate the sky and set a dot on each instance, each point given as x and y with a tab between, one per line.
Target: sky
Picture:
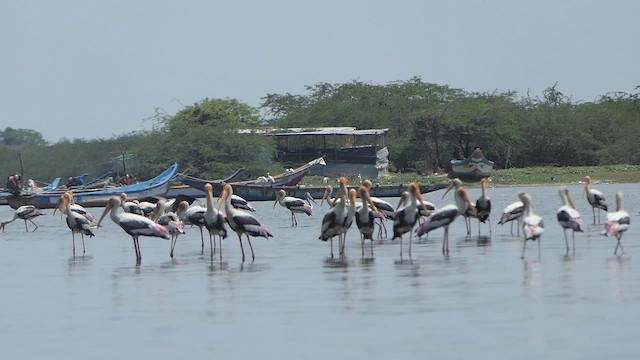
92	69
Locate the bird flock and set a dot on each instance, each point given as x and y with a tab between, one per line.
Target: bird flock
167	219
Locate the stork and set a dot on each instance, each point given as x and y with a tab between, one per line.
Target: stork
617	223
446	215
365	217
483	206
133	224
334	220
26	213
510	213
407	217
294	205
568	217
242	222
214	221
595	198
76	222
532	224
170	220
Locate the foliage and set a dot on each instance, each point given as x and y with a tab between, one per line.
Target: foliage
429	124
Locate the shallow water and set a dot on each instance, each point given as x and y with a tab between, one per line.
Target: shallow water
295	302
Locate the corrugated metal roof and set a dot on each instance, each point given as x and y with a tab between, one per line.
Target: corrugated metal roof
315	131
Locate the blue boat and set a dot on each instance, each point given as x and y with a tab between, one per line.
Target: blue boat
158	186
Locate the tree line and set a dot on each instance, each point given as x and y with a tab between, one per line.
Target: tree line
429	124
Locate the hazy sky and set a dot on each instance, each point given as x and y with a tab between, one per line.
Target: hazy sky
94	69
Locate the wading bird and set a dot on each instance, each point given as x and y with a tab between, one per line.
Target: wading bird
510	213
446	215
170	220
133	224
532	224
407	217
242	222
365	217
294	205
26	213
483	206
334	220
568	217
76	222
214	222
617	223
595	198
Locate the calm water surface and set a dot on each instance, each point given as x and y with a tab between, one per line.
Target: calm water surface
295	302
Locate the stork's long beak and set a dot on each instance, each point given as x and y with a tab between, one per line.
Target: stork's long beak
310	198
104	213
324	196
62	206
223	196
451	186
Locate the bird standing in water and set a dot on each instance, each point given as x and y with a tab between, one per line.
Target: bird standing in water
26	213
532	224
617	222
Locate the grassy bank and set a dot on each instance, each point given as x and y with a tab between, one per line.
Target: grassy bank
547	175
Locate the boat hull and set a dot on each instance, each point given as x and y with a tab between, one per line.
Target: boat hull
157	186
475	166
262	193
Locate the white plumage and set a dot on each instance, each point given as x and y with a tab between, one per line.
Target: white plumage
568	217
617	223
532	224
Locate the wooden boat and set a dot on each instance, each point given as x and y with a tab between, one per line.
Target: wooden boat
158	186
181	185
267	193
287	178
475	166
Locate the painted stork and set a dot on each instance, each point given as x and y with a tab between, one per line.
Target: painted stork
71	204
351	214
242	222
76	222
483	206
327	195
214	222
366	216
595	198
194	215
294	205
383	206
26	213
446	215
568	217
532	224
407	217
617	222
133	224
239	202
512	212
334	220
469	212
130	207
170	220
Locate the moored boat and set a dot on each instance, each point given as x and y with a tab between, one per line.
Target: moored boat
157	186
263	193
475	166
291	177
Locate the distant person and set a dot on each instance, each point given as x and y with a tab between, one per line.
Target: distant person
13	184
124	180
